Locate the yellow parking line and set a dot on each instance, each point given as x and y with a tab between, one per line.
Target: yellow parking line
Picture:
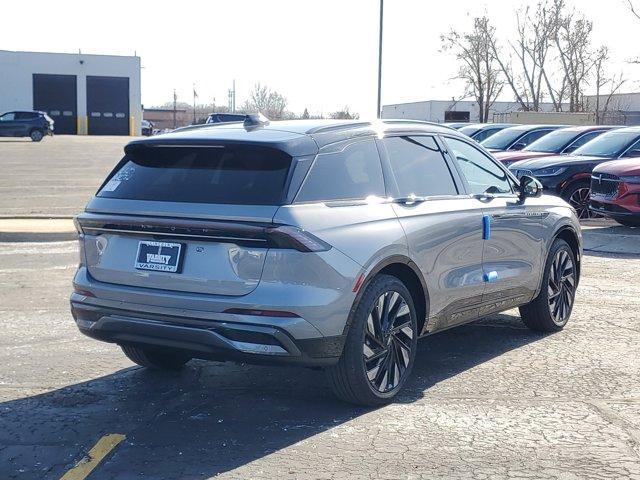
100	450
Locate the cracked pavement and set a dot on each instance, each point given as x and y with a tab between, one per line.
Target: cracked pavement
487	400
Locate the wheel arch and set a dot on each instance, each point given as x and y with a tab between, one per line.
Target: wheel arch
569	235
581	178
405	270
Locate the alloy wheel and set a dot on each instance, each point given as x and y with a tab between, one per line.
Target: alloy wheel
580	201
561	288
388	341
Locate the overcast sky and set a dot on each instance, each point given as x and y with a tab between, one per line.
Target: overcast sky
320	54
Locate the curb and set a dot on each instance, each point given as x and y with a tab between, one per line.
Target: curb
37	229
39	237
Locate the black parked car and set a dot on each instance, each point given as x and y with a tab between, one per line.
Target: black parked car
569	176
26	124
481	131
226	117
516	138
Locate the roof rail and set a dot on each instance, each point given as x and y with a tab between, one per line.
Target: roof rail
407	120
338	126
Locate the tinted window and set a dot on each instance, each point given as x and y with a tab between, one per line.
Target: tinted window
587	137
503	138
352	173
482	174
484	134
609	145
633	151
419	167
231	175
7	117
553	142
25	115
532	137
469	130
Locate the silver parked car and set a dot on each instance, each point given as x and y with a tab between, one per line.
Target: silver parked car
320	243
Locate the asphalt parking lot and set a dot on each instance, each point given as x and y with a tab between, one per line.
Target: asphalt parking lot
487	400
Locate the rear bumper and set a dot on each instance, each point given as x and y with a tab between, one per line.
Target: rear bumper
203	338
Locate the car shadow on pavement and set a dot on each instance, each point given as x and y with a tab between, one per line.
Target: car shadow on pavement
212	417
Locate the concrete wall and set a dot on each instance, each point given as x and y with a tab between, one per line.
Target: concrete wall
434	110
16	79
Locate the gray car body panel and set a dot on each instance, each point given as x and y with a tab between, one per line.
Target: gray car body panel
442	239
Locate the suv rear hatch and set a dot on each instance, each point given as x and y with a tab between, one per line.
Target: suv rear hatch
188	218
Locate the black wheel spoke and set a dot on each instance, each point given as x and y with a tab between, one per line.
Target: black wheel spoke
561	287
388	341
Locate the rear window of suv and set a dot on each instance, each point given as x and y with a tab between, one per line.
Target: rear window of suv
243	175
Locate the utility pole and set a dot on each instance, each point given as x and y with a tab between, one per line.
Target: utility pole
231	98
175	100
379	112
194	103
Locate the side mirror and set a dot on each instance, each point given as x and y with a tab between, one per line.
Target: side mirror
518	146
529	187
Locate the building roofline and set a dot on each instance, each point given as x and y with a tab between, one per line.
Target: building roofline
68	53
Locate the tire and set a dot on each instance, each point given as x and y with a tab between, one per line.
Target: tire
628	222
551	309
577	195
375	345
36	135
155	359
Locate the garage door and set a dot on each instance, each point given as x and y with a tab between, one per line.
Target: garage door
57	95
108	105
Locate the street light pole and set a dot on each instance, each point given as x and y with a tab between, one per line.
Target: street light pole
379	112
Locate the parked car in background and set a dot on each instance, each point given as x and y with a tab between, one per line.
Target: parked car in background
482	131
615	191
225	117
26	123
569	176
455	125
317	243
518	137
563	140
146	128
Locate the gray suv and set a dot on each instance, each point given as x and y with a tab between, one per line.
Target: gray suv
319	243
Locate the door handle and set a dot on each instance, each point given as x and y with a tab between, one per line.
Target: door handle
484	196
409	200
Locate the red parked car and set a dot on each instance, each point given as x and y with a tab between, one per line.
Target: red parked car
564	140
615	191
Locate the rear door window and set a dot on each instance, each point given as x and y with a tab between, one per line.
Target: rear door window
349	173
244	175
419	166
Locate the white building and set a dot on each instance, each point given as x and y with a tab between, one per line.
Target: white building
449	110
84	94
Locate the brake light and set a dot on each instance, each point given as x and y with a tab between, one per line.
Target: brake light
286	236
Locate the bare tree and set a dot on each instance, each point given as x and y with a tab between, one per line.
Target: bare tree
266	101
524	64
479	68
603	81
635	11
344	114
572	38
